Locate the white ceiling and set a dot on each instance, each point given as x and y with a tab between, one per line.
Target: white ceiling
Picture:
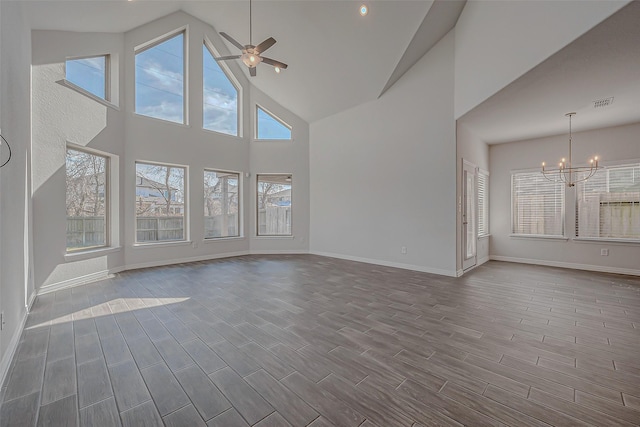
337	59
603	63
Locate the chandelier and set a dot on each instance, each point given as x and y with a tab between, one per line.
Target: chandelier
566	172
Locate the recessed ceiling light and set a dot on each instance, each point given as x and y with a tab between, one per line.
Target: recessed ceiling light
364	10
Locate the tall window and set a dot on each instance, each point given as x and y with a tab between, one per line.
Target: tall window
483	204
269	126
537	205
608	204
160	203
90	74
220	97
221	217
160	81
274	205
87	198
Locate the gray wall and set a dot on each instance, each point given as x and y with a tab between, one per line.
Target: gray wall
383	173
614	145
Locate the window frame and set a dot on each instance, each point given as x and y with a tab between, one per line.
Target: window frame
110	235
486	210
273	116
185	214
609	166
257	224
240	206
563	235
234	81
185	72
108	95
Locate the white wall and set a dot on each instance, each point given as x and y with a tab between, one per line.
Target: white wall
383	173
498	41
281	157
16	281
616	144
63	115
474	150
153	140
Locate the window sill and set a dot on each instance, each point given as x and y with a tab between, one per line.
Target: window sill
536	236
272	140
222	239
606	240
236	137
156	119
90	253
162	244
274	237
88	94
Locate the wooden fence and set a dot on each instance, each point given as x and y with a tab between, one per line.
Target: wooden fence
159	229
274	221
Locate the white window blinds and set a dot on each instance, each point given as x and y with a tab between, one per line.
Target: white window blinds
608	204
483	204
537	205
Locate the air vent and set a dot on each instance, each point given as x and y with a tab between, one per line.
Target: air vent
600	103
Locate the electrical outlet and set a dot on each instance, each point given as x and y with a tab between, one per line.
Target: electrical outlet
604	252
403	250
194	245
1	320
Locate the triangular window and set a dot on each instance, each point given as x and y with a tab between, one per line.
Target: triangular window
269	126
89	74
160	71
220	97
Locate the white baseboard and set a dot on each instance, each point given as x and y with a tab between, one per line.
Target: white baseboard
482	260
5	363
183	260
575	266
450	273
279	252
76	281
459	273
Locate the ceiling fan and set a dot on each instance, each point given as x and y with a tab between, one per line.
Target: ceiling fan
252	55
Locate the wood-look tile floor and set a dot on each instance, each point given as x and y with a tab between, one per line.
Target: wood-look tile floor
313	341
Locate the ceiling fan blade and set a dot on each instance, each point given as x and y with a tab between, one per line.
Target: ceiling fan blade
265	45
252	71
274	62
226	58
232	40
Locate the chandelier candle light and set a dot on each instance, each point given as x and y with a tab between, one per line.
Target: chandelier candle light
566	172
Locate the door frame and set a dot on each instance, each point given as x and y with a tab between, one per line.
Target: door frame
471	261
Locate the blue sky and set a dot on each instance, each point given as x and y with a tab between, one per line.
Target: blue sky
159	90
160	80
220	98
270	128
88	73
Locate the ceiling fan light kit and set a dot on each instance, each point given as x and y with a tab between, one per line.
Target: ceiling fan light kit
252	55
566	172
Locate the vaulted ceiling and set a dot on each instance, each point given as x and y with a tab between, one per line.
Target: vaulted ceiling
337	58
603	63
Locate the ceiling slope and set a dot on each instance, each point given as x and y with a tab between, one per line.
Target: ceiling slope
337	58
602	63
441	18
